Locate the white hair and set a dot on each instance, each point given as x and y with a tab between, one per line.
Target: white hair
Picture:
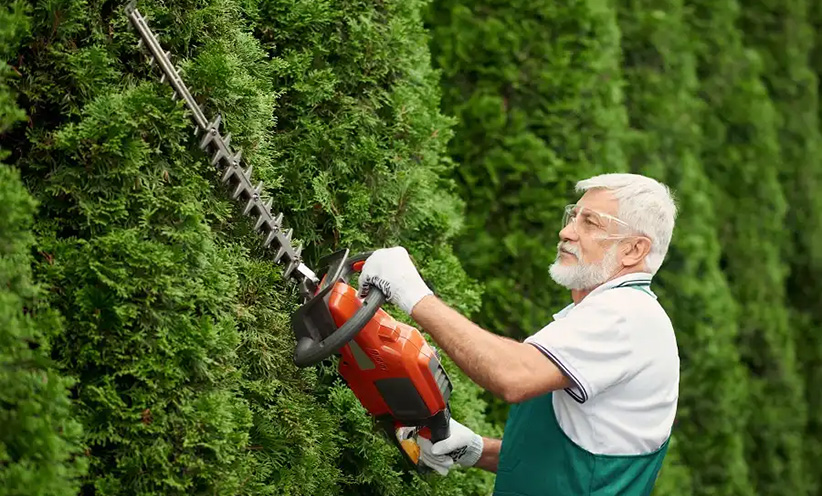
644	204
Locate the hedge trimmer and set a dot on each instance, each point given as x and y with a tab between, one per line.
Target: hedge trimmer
390	367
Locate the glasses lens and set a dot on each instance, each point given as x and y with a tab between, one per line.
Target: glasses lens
568	215
585	220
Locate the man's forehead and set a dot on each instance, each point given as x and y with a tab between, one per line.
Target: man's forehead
600	200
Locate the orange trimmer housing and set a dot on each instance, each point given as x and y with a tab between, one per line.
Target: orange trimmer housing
389	365
392	370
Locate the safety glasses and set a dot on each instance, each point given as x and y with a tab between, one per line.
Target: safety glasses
595	224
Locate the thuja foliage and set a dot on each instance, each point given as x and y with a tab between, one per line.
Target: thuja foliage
177	324
809	314
666	142
741	146
147	294
782	34
40	441
41	449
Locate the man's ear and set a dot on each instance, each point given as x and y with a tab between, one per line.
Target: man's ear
638	249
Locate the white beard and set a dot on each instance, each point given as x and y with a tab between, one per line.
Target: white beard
582	275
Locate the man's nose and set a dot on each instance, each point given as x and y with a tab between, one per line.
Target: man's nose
568	233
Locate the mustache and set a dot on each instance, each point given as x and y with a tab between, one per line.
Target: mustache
564	246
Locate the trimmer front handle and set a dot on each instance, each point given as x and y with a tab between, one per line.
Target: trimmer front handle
317	335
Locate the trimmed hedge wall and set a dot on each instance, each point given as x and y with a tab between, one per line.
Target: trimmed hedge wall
41	444
177	326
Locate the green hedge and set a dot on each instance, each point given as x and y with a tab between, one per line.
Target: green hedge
804	281
41	451
742	157
783	34
177	326
666	142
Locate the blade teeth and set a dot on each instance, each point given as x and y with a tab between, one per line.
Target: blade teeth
218	155
291	266
259	223
223	152
212	131
279	254
249	205
208	136
237	191
229	172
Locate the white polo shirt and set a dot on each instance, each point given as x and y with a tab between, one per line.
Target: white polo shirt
619	349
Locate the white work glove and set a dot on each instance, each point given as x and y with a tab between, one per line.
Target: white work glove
463	447
392	271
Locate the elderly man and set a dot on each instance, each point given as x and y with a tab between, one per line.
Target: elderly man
594	392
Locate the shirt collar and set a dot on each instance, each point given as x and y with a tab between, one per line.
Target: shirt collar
628	280
635	278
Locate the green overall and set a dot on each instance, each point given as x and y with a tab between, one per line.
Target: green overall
538	459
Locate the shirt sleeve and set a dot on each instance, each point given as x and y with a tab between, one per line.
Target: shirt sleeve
590	347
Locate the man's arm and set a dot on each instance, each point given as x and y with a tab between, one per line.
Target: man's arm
490	454
509	369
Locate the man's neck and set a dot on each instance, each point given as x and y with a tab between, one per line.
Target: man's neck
578	294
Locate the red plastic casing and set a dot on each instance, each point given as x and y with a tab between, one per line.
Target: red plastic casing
394	349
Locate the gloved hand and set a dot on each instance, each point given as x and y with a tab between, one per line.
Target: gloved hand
392	271
463	447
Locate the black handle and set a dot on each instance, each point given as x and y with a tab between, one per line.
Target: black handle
440	425
310	351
